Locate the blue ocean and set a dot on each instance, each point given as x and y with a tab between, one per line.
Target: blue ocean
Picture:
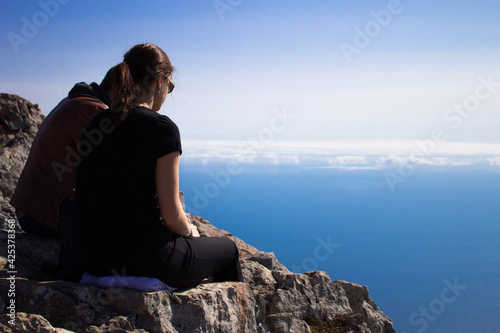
428	249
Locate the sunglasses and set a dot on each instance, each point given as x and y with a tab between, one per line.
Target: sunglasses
171	84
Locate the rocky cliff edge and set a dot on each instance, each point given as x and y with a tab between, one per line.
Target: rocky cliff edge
272	299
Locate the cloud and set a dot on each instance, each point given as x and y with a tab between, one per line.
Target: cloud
342	154
494	161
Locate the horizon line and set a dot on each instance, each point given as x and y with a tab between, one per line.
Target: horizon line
345	154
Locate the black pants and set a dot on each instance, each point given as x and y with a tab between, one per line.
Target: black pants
33	226
196	258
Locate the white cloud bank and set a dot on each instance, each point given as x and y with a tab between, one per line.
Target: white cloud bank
343	154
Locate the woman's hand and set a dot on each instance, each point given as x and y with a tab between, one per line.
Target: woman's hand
194	231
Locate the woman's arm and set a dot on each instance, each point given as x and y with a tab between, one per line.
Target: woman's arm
167	187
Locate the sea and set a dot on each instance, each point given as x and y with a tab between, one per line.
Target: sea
426	243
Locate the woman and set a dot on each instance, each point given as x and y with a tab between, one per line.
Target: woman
131	220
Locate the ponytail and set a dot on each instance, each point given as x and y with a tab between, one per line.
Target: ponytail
119	85
123	93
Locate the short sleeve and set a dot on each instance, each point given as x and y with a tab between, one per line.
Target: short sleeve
167	137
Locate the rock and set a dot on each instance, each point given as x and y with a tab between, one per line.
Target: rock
20	120
28	323
368	315
35	256
271	300
267	260
284	322
211	307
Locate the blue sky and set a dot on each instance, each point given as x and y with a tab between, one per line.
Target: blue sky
240	61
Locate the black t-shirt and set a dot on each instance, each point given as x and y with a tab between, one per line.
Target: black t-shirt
116	192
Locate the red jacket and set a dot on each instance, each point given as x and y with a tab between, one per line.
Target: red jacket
49	175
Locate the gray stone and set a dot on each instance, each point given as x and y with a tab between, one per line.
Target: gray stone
368	315
268	260
211	307
27	323
23	119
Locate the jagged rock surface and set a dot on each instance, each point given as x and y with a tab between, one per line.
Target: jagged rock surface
21	120
272	299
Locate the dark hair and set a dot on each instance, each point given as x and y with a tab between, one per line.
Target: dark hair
131	78
108	83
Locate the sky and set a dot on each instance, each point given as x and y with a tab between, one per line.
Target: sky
370	72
